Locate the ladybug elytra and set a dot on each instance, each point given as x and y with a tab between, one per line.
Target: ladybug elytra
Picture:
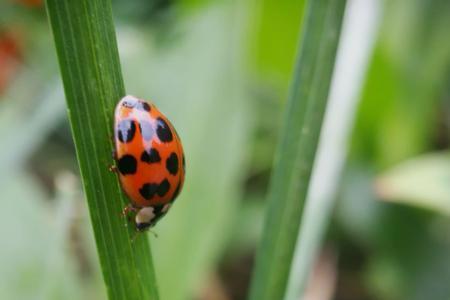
149	158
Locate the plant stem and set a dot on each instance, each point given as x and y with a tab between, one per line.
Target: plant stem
88	57
297	147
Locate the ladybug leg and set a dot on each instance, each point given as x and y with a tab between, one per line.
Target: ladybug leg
128	209
126	213
113	168
114	154
154	233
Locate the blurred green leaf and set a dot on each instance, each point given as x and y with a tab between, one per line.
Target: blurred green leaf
276	26
296	149
359	29
32	126
422	181
87	51
411	63
37	264
21	257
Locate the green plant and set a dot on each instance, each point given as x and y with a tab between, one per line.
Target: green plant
297	147
86	46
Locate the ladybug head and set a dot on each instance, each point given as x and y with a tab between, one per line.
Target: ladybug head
144	218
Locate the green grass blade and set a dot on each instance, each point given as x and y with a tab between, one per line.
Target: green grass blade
296	150
86	46
353	55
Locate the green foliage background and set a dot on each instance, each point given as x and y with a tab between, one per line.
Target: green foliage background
220	72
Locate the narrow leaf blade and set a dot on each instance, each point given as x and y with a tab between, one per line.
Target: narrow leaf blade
296	150
86	46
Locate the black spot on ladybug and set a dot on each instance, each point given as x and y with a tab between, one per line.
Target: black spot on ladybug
150	157
163	131
147	130
177	191
127	164
149	190
172	164
163	188
126	130
144	106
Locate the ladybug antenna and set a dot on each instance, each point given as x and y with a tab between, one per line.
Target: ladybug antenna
154	233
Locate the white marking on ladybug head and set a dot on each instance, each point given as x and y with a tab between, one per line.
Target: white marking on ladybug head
145	215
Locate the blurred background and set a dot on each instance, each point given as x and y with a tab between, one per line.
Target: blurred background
220	71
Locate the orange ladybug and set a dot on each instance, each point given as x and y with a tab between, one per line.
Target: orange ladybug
149	159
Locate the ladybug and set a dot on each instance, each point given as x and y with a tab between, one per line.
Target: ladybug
149	158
